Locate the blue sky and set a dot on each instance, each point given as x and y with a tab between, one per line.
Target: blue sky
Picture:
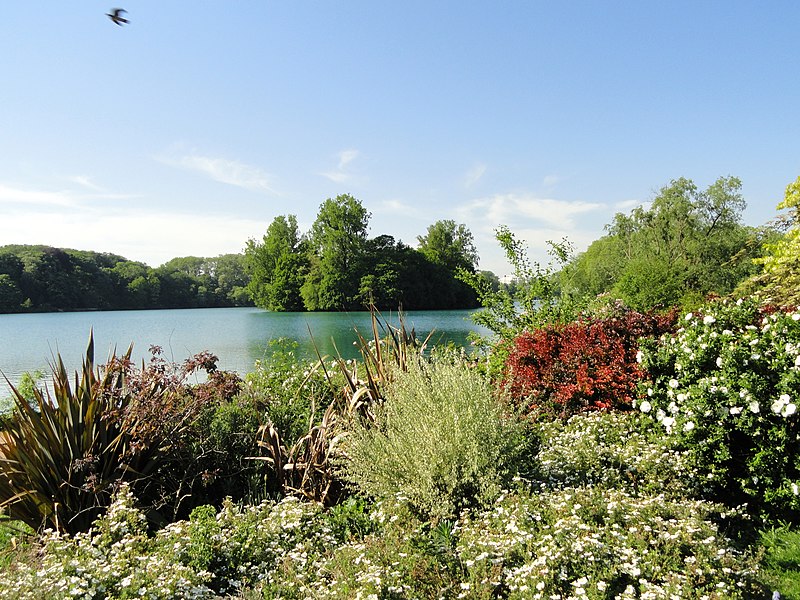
187	131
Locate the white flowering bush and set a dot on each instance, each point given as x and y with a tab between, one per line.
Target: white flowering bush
598	543
208	555
612	450
726	385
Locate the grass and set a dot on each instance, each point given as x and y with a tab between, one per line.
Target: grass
781	562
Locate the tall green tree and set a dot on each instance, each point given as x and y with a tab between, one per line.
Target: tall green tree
338	239
277	266
779	281
449	245
450	248
686	244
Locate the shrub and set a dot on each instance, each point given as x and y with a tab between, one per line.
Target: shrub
598	543
586	364
213	553
440	439
726	385
66	452
610	450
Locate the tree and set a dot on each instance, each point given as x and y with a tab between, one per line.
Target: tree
449	245
10	294
338	239
779	281
687	244
277	266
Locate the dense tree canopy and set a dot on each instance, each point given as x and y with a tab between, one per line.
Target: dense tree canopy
686	244
42	278
336	266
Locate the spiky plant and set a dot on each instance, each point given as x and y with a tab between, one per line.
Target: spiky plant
62	454
306	467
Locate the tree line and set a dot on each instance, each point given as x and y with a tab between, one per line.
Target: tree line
43	278
684	245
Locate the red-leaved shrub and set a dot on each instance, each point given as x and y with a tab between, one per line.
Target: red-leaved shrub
588	364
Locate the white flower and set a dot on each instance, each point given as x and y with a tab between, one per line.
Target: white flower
688	426
668	422
673	408
797	361
735	410
777	407
673	383
796	317
754	408
784	398
789	410
795	489
719	361
682	397
708	320
645	406
639	356
689	316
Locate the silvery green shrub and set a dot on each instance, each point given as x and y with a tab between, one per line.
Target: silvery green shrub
441	439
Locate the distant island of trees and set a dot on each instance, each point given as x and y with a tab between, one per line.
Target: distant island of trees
335	266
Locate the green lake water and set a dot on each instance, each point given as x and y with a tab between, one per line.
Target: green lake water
238	336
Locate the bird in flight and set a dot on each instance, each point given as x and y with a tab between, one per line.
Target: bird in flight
116	16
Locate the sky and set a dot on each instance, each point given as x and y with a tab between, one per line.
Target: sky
188	130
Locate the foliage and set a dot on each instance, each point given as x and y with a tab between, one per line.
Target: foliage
726	385
62	455
211	554
599	543
535	299
440	438
43	278
338	237
277	266
614	450
779	281
449	245
585	364
687	244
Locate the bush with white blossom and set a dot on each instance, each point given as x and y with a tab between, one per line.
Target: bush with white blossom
726	385
595	543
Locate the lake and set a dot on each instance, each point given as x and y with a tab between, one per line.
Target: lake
238	336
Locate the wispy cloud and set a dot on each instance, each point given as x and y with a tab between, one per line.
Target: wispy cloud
515	208
341	173
397	207
627	204
550	180
223	170
474	175
150	237
85	181
10	195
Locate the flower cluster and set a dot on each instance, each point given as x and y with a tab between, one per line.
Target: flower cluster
187	559
580	543
610	449
726	385
584	364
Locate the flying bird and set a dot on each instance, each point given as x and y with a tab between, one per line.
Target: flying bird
116	16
